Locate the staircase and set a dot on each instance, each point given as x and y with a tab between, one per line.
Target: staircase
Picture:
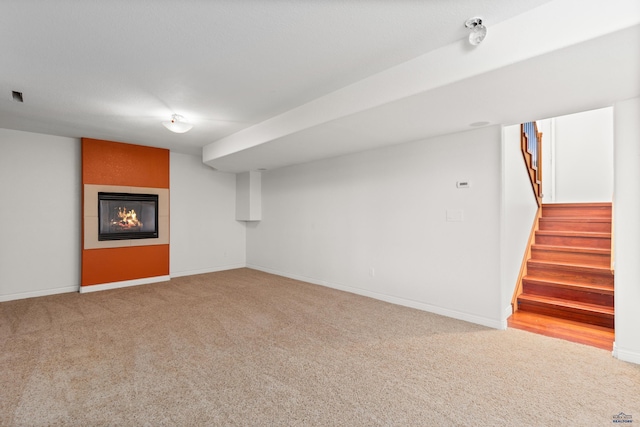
567	291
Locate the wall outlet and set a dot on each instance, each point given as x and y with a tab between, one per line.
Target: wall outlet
372	272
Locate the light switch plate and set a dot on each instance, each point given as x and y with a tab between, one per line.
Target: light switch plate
455	215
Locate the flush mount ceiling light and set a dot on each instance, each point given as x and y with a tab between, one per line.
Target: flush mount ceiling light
478	31
177	124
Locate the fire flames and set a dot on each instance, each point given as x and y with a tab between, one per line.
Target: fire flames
126	219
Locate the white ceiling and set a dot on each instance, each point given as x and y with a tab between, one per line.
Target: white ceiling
312	78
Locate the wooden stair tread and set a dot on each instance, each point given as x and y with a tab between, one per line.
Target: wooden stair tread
578	205
559	302
596	234
582	333
598	224
579	218
571	266
557	210
587	287
574	219
557	248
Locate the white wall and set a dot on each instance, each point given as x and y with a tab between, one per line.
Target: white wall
627	229
374	223
43	257
548	161
205	236
40	214
519	211
583	157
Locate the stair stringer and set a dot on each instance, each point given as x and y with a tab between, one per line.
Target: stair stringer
525	258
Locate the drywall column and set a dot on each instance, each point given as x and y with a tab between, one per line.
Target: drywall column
248	196
126	168
519	209
627	229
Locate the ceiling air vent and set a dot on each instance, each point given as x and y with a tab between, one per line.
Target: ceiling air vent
17	96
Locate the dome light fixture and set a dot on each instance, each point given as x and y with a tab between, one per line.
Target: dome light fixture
178	124
478	31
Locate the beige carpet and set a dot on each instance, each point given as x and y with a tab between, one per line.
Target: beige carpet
246	348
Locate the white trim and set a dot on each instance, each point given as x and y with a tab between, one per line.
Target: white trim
207	270
552	163
626	355
42	293
123	284
506	313
614	351
505	283
491	323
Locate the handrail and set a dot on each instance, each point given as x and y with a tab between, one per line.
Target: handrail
531	146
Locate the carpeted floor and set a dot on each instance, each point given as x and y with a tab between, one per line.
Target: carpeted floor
243	347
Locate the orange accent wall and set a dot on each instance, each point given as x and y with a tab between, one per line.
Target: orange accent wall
116	163
120	264
103	266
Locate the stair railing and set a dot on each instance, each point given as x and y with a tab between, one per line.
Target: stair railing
531	147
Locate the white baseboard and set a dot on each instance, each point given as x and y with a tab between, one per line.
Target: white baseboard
114	285
123	284
472	318
626	355
506	313
206	270
42	293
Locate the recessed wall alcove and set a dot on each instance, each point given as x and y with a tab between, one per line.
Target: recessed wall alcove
118	168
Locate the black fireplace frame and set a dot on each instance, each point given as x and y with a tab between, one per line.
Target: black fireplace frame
127	197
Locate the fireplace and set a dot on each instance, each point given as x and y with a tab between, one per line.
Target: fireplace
123	216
